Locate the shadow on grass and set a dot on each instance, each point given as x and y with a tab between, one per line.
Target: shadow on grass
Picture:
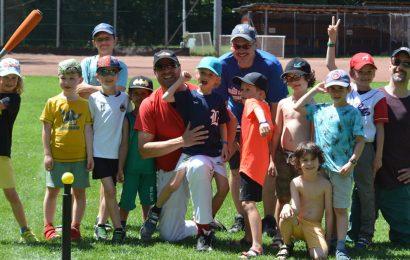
84	244
381	250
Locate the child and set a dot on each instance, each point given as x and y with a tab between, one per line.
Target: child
256	157
373	108
67	140
108	108
311	194
291	129
199	107
138	174
339	133
11	87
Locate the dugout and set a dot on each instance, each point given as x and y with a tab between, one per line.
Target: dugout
375	28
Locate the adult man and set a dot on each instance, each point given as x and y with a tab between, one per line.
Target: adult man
393	178
162	135
243	59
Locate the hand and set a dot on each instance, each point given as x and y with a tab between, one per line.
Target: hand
320	87
346	169
225	153
185	76
287	212
264	128
90	164
404	176
271	169
333	29
120	176
48	162
377	164
194	136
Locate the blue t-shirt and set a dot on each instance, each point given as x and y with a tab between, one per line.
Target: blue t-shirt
335	131
264	63
207	110
89	71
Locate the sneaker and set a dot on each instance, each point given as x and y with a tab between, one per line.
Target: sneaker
75	234
363	243
28	237
341	254
238	225
204	242
149	226
50	233
118	236
100	233
107	224
217	226
269	226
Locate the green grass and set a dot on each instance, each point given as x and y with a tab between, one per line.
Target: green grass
28	164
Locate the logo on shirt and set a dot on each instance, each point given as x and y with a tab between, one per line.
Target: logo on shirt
235	94
363	109
69	120
214	117
122	107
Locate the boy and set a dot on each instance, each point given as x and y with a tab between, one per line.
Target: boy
373	109
108	108
291	129
67	140
200	107
339	133
256	158
311	194
138	174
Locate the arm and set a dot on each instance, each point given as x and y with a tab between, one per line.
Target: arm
328	212
89	136
377	163
264	127
273	108
331	45
291	209
278	130
305	99
46	138
122	154
358	149
168	96
231	132
224	137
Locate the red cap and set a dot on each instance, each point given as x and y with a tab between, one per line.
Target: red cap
360	59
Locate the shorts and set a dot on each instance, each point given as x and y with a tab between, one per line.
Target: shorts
249	190
104	167
78	169
311	232
215	163
342	187
143	184
236	157
285	173
7	180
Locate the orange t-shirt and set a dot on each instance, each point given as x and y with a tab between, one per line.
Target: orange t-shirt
254	148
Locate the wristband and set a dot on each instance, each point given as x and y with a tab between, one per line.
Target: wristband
353	161
263	122
331	44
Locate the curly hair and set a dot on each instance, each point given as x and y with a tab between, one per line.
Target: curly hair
305	148
310	78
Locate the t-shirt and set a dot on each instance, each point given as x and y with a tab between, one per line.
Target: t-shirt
367	103
108	112
264	63
255	148
7	118
396	149
89	71
207	110
68	120
335	131
162	120
134	162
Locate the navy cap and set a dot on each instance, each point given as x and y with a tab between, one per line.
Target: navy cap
103	27
297	66
141	82
255	79
245	31
401	49
337	78
165	54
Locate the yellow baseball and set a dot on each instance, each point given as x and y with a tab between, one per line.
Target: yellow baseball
67	178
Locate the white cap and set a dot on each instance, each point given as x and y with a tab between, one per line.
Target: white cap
9	66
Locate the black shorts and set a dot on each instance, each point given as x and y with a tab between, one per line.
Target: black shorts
249	190
236	157
104	167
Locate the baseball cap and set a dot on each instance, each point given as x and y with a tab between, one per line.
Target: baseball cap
69	66
254	78
141	82
401	49
359	60
245	31
103	27
297	66
337	77
165	54
9	66
211	63
108	61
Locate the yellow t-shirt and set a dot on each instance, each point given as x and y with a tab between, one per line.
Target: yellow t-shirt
68	120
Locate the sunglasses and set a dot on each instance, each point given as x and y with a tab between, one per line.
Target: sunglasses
243	46
107	72
292	77
397	62
162	67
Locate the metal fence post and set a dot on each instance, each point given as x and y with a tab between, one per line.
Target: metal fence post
2	22
58	24
166	23
115	6
217	24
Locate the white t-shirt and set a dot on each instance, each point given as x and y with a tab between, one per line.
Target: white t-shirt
108	113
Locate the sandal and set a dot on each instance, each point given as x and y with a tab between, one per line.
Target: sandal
284	252
277	242
251	253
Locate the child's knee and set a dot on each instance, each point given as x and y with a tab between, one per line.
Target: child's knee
110	193
79	193
248	205
222	191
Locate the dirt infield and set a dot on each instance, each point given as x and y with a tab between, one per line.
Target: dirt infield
46	65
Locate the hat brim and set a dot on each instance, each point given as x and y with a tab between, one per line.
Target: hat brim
337	83
8	72
209	68
238	80
395	53
361	65
103	30
240	35
297	72
170	58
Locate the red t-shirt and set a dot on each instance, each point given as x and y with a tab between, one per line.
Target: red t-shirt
255	148
162	120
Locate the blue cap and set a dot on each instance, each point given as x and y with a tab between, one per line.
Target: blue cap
245	31
103	27
337	78
255	79
211	63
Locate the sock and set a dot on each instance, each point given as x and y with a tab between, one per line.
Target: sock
203	229
340	245
23	229
123	223
156	210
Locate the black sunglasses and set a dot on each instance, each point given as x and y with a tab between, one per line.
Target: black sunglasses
398	62
161	67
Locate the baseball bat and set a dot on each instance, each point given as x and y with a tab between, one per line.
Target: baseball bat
31	21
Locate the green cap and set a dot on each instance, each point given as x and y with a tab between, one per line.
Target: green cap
69	66
211	63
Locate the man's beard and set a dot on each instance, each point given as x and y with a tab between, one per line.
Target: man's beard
399	76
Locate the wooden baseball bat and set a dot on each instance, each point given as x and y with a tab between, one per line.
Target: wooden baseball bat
31	21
